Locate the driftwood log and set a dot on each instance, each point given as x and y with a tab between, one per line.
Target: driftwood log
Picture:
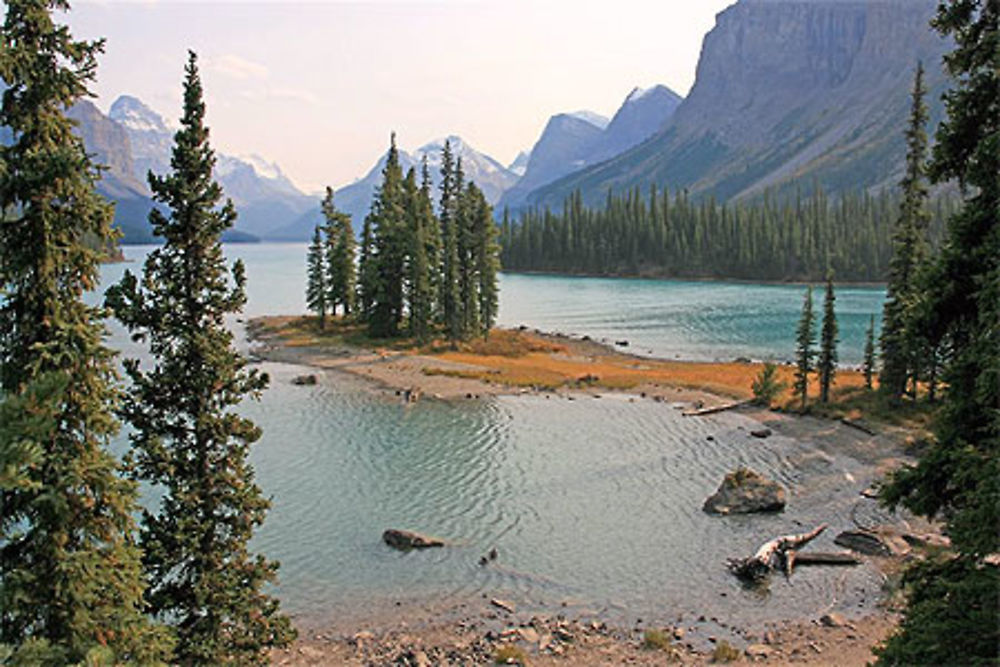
698	412
772	555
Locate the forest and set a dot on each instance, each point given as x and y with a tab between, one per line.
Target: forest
664	234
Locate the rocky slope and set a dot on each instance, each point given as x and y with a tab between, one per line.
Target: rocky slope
787	91
571	142
264	197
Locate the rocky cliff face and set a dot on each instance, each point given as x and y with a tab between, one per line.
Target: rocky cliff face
787	91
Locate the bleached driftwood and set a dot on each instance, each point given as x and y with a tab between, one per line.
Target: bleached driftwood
772	554
698	412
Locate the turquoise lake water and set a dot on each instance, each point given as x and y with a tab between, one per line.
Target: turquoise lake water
594	504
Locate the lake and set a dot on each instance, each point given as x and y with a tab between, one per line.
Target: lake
592	504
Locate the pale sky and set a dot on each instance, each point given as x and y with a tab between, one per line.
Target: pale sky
318	86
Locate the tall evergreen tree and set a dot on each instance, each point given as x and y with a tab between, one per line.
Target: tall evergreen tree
388	249
188	440
340	248
450	297
899	339
805	354
316	286
953	612
420	296
827	365
869	362
70	574
367	267
486	255
468	284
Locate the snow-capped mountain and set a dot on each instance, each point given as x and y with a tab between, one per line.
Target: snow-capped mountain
488	174
264	197
520	163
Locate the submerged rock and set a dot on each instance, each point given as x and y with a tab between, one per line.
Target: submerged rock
866	543
406	540
305	380
745	491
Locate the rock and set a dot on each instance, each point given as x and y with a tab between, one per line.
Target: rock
679	633
833	620
863	542
503	604
745	491
304	380
529	635
761	433
621	343
563	635
406	540
759	651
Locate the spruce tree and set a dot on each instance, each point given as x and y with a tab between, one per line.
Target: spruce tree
827	365
341	273
419	268
952	611
468	284
388	252
70	573
450	299
316	273
189	441
486	254
899	339
869	362
805	338
367	267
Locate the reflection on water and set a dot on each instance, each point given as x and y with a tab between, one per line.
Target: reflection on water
594	502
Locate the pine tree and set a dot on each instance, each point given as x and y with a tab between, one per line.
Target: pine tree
70	573
367	267
316	285
827	365
468	284
341	275
952	612
899	340
805	337
869	363
188	440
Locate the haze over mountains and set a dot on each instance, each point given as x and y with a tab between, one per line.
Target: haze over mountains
788	93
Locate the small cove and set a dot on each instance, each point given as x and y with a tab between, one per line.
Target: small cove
594	504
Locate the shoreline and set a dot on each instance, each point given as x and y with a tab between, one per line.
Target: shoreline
700	279
472	630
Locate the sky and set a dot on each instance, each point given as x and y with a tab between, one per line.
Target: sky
318	86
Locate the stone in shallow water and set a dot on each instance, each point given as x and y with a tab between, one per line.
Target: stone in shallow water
745	491
406	540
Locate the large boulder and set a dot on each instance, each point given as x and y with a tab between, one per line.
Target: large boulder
406	540
745	491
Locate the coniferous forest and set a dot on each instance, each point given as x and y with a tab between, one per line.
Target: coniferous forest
418	272
89	575
664	234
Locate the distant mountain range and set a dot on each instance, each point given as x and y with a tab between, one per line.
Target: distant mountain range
787	93
573	141
491	177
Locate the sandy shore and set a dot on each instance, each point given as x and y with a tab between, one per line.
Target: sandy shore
478	632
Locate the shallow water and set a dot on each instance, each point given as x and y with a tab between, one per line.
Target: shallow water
595	503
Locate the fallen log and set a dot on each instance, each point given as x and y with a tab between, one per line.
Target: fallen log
716	408
793	558
772	554
864	428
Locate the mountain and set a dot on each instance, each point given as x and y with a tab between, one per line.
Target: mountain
355	199
571	142
520	163
562	148
264	197
786	92
109	143
643	113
